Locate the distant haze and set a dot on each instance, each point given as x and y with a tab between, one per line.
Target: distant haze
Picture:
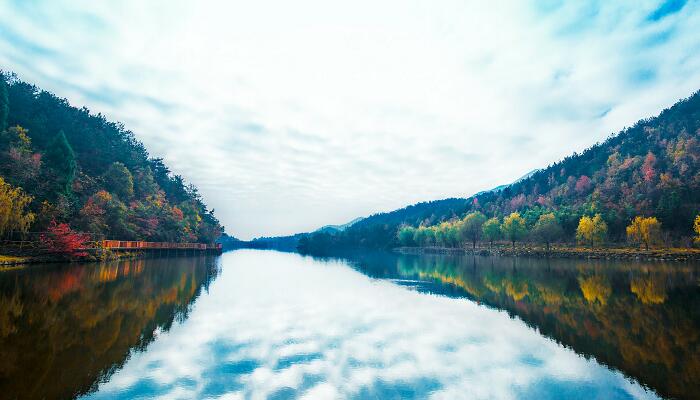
293	115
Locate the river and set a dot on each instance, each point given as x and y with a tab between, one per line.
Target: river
269	325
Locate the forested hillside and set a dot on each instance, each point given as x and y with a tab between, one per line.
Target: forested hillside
62	164
651	170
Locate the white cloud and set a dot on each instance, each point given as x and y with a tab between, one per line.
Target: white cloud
289	116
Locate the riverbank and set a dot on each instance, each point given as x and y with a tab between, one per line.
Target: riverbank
108	250
612	253
13	262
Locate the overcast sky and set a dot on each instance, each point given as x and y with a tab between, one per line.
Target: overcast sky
290	115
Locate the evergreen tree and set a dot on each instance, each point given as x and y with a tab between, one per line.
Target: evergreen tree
60	158
120	181
4	103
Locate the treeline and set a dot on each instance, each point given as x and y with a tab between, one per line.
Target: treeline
649	170
544	228
64	166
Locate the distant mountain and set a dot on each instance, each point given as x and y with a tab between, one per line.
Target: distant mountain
650	169
281	243
501	187
338	228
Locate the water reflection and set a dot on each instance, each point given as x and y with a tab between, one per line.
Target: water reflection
64	328
640	318
279	325
369	325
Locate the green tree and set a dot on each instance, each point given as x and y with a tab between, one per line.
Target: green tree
491	230
453	234
592	230
405	235
471	227
119	181
424	236
443	234
60	158
513	227
547	229
4	103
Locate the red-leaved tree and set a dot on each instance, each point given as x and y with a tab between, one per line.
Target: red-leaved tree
583	185
61	239
648	167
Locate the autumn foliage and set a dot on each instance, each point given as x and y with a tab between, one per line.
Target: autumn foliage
644	230
14	215
65	164
592	230
649	169
62	240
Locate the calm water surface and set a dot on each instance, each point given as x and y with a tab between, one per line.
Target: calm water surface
263	324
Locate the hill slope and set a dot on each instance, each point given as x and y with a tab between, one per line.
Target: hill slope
81	169
652	168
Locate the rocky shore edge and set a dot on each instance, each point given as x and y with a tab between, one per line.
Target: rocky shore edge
668	254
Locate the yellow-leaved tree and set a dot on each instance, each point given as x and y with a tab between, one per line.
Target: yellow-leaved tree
592	230
13	213
644	230
696	228
513	227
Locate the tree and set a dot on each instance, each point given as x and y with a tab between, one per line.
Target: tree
4	103
491	230
696	228
60	158
405	235
445	234
61	239
424	236
471	227
583	185
13	213
592	230
16	137
513	227
644	230
648	167
119	181
547	228
17	162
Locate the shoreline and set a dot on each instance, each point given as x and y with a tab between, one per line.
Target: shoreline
14	262
612	253
8	262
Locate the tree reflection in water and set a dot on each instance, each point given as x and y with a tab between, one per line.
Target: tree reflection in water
65	328
640	318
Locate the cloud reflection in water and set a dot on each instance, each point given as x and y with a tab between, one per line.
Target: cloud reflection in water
280	325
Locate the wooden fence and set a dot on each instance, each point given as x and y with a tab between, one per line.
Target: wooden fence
136	245
20	242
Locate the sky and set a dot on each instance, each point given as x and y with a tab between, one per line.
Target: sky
292	115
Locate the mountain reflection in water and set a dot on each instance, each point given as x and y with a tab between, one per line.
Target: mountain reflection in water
642	318
64	328
361	325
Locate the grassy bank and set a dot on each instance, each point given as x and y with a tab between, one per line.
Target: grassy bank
611	253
